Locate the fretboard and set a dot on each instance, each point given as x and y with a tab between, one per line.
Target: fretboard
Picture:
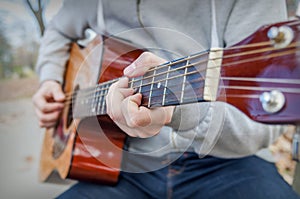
177	82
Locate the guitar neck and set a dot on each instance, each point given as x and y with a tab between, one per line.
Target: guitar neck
177	82
259	76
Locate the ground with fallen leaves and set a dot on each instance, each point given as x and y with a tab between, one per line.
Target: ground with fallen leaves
281	150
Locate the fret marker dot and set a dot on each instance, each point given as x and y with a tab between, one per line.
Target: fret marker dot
158	85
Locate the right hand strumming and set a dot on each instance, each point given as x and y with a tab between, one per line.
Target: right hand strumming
48	103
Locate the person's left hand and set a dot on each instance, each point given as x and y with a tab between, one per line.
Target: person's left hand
123	106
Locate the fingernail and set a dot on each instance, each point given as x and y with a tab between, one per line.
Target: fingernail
130	69
59	97
62	96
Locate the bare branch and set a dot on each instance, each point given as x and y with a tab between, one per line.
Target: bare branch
40	5
38	15
30	6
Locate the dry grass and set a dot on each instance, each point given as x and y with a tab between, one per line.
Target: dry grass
281	150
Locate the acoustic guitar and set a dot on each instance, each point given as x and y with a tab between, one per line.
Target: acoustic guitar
259	75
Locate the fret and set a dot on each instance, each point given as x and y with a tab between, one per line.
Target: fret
140	86
103	104
184	80
158	88
132	80
99	92
165	87
99	112
97	99
177	82
151	87
136	84
145	87
195	80
175	79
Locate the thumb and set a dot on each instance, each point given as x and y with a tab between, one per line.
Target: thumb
58	94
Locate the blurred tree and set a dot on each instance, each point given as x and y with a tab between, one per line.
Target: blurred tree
38	14
5	54
25	55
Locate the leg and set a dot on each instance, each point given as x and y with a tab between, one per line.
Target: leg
210	177
130	185
89	190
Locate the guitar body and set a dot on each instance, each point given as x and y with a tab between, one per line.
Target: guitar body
88	149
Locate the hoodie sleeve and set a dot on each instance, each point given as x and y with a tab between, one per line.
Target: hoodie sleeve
68	25
218	128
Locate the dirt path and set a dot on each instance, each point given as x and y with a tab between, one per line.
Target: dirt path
20	142
18	88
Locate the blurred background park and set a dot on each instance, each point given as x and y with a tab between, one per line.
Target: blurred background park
22	24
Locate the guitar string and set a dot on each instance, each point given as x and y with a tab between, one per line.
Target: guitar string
96	90
167	64
188	58
192	57
296	22
197	98
99	89
283	89
293	23
103	92
97	96
200	88
205	61
295	81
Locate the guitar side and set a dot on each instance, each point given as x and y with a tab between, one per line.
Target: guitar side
58	142
90	148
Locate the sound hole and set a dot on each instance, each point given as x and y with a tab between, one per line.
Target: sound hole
60	137
69	118
60	140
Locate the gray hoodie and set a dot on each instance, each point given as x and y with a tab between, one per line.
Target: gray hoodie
179	28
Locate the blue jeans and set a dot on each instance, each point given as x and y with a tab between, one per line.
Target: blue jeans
194	177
